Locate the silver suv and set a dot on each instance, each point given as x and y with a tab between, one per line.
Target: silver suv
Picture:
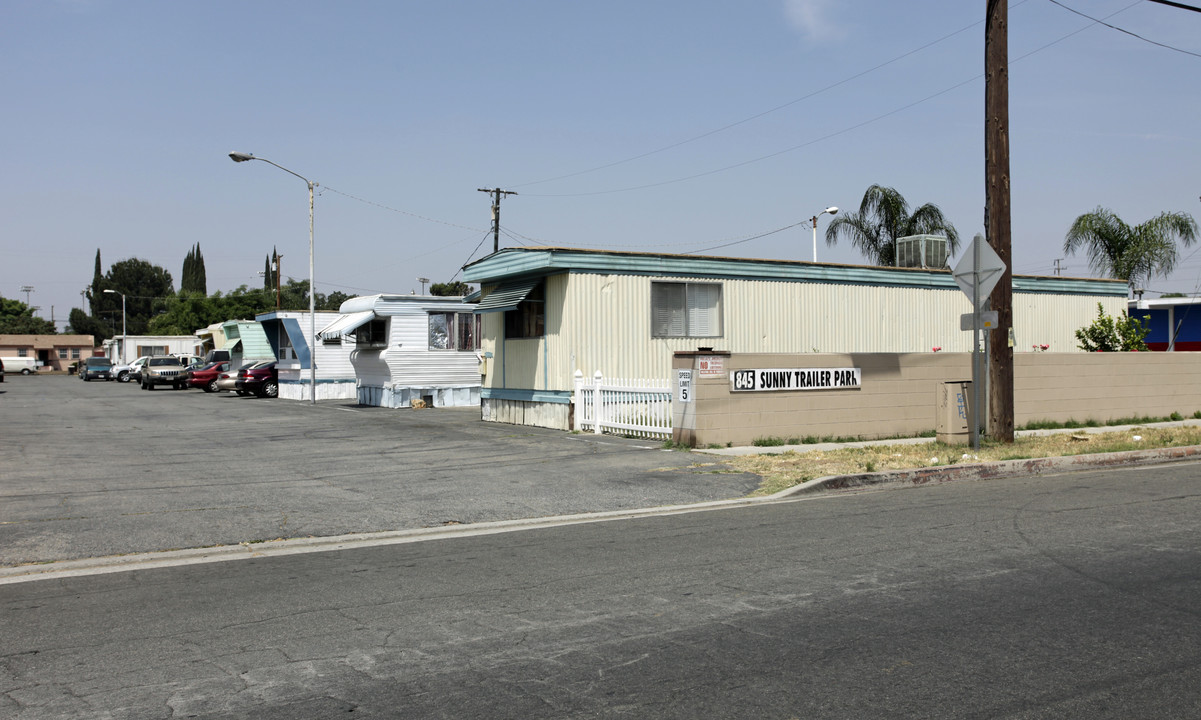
164	370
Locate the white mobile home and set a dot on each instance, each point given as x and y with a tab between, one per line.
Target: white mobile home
409	348
287	332
125	349
549	312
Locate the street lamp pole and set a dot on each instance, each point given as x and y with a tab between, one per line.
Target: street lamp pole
813	221
123	335
243	157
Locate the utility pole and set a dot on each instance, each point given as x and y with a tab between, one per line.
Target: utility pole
496	194
26	289
997	210
279	271
1057	267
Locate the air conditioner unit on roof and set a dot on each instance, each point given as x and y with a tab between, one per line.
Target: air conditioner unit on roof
924	251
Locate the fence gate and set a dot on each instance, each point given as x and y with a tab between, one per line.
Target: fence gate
637	408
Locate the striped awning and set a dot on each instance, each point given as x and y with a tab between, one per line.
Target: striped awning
507	296
346	325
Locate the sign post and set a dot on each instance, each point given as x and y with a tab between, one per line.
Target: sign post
977	273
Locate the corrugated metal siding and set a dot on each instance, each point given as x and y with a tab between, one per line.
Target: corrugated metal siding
606	323
410	361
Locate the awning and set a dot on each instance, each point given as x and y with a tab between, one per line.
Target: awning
232	344
507	297
346	325
300	346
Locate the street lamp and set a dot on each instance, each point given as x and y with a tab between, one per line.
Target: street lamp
423	281
123	336
813	221
243	157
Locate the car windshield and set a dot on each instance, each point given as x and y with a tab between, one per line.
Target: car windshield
99	362
162	361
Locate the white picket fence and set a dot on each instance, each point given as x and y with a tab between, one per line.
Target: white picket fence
637	408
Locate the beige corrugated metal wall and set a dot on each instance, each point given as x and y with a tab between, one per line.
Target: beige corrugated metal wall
603	322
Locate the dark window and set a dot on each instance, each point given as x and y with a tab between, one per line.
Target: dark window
528	320
373	333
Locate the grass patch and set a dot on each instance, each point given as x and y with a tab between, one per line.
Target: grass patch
787	469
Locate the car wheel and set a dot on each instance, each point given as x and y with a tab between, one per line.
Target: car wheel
123	376
270	389
85	378
25	371
211	387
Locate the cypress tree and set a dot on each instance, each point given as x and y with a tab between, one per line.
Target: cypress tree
200	281
97	290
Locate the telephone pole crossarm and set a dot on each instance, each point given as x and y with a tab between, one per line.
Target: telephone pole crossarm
496	194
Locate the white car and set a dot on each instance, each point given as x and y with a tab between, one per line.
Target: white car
132	371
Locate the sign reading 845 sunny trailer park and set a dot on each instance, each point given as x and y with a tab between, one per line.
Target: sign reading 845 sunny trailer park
795	379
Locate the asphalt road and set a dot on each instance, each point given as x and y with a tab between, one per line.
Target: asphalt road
97	469
1070	596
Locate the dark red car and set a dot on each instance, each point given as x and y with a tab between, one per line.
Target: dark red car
262	380
205	377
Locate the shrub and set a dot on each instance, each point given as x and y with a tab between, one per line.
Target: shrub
1109	334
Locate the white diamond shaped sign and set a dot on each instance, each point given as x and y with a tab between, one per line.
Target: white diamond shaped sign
969	277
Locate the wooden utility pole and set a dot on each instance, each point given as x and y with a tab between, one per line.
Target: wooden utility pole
996	214
496	193
278	269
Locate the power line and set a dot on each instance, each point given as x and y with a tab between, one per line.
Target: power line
1131	34
764	113
402	212
1182	6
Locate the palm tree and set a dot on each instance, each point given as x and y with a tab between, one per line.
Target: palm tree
883	218
1130	253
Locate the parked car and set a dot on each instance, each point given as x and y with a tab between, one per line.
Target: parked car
1	371
132	371
189	361
262	380
205	377
163	370
96	368
23	365
228	379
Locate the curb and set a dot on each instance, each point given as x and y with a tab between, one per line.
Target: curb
1003	469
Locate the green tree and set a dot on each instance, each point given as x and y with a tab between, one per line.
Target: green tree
883	218
270	270
193	279
334	300
96	291
1110	334
83	324
17	318
449	289
1128	253
146	287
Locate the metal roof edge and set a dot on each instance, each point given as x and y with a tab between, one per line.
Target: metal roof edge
511	263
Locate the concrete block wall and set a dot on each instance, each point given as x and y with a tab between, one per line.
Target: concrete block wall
899	393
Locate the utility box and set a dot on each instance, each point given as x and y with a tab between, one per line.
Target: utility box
953	421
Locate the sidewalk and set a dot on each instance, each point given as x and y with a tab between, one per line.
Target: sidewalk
811	447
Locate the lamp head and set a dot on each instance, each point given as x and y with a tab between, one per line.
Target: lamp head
109	290
832	210
241	156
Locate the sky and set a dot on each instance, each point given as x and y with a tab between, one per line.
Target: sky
679	127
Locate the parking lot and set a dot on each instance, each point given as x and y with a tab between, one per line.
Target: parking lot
103	468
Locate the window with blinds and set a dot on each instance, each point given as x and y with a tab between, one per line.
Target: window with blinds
685	309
